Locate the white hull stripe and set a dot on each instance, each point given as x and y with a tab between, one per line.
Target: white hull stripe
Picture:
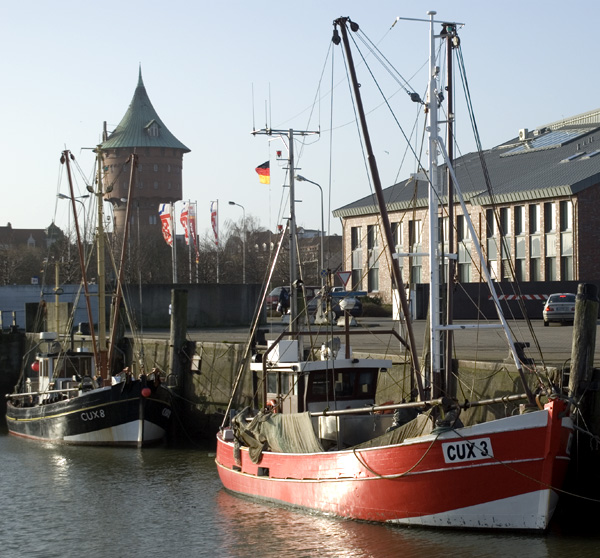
536	508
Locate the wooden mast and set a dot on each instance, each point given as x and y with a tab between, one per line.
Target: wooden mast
66	157
120	271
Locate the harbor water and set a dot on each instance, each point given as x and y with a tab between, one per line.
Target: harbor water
63	501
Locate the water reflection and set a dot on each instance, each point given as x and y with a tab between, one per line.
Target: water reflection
248	524
67	502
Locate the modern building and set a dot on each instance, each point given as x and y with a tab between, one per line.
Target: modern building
158	177
537	217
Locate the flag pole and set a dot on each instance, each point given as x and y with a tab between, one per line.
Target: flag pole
189	240
214	222
174	244
196	242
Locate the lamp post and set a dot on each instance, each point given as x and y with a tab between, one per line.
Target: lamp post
302	179
243	240
78	200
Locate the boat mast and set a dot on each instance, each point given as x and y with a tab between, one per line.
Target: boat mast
119	294
452	41
103	350
434	194
385	222
66	157
294	286
436	144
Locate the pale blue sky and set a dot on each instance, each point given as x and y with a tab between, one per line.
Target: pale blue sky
67	67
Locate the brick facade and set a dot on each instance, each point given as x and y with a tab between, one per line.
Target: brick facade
544	236
158	179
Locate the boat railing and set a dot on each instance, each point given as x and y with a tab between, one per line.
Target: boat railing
418	404
50	391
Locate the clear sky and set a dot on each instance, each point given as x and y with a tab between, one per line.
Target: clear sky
213	70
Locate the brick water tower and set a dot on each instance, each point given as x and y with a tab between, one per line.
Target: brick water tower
158	177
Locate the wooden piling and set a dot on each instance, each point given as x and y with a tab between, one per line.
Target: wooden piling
584	340
178	333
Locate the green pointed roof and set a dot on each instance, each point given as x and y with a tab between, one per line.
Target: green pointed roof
141	126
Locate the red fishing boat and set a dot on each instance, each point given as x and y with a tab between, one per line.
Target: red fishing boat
321	443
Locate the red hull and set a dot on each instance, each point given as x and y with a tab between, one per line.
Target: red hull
437	480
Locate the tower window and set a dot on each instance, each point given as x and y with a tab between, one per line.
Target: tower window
153	130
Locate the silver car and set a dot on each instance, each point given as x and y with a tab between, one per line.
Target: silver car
559	307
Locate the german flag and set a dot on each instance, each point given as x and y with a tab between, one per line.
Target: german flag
264	173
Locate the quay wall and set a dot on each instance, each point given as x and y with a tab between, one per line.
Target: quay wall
12	348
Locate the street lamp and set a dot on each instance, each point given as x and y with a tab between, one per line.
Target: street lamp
78	200
302	179
243	240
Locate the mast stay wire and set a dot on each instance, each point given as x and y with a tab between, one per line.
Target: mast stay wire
515	284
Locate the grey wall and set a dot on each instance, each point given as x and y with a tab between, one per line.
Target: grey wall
14	297
208	305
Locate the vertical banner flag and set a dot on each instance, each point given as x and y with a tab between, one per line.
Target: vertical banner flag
184	219
192	228
164	210
214	219
264	173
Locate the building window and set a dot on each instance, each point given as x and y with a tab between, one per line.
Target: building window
519	220
506	243
491	242
566	216
156	185
549	218
153	130
155	168
356	248
397	236
414	241
464	249
566	241
168	168
153	220
139	167
535	243
373	252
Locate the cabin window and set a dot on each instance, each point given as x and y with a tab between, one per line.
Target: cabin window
341	385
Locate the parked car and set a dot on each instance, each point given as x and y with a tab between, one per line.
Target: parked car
350	304
560	307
